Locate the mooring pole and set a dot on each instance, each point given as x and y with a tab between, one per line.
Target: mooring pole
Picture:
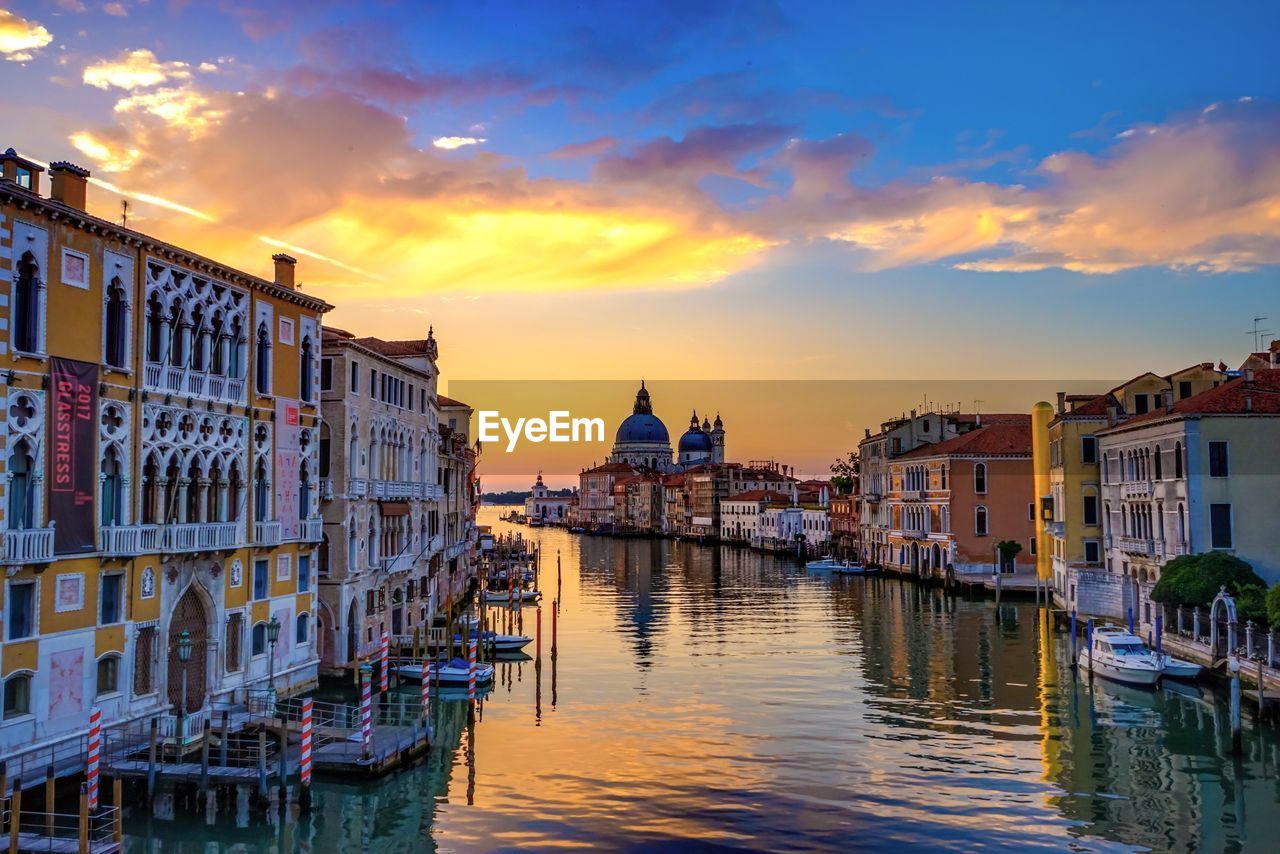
1233	665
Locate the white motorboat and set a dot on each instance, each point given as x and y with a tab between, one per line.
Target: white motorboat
497	597
454	672
1177	668
1117	655
499	643
838	567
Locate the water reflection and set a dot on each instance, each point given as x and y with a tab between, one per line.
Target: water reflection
716	696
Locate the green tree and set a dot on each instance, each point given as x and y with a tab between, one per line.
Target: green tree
1196	579
1009	550
1273	605
844	473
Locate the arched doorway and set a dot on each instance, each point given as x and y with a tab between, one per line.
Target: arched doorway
353	617
936	560
192	616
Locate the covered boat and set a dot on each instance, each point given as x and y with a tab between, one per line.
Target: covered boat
1116	654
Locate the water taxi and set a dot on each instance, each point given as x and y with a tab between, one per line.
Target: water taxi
1117	655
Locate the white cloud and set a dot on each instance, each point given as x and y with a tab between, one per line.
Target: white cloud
136	69
20	38
449	143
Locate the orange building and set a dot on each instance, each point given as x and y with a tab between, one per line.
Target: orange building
950	503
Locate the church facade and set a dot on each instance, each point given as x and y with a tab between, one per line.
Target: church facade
643	442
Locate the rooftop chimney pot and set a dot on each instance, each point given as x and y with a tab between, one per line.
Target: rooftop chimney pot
1062	402
286	266
69	184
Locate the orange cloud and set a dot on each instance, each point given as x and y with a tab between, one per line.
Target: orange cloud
134	69
20	38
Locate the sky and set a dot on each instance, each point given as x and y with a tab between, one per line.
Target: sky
728	189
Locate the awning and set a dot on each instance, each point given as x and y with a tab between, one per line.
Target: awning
393	508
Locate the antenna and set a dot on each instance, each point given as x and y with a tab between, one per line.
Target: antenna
124	212
1258	334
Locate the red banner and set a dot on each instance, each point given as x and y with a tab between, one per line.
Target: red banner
73	463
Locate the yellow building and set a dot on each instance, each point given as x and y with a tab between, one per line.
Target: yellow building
160	469
1076	531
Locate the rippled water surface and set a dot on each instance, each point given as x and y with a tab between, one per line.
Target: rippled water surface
716	698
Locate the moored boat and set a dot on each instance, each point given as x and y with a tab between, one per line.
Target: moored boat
453	672
1117	655
497	597
500	643
839	567
1177	668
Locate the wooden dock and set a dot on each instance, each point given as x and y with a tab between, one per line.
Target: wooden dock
34	842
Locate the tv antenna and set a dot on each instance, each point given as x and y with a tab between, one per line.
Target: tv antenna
124	212
1258	334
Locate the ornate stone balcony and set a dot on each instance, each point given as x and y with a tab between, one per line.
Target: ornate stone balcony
30	545
312	530
1135	545
266	534
200	537
184	382
1136	489
128	540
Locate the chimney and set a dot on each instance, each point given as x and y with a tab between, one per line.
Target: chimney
867	432
1248	375
285	268
1062	402
977	419
1111	416
1168	400
69	184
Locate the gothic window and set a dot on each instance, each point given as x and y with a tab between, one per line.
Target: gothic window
980	521
143	656
235	362
261	492
112	510
235	487
117	326
980	478
304	491
262	358
177	346
306	369
22	497
26	306
155	329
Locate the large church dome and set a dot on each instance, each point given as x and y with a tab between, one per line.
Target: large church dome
695	440
642	425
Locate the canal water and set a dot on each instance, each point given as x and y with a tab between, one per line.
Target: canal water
714	698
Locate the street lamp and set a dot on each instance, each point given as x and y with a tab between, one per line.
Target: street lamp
273	635
184	656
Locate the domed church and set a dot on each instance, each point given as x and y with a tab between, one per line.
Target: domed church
642	440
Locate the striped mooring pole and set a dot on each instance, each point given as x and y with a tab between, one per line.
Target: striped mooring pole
426	689
366	708
384	662
471	671
95	751
304	764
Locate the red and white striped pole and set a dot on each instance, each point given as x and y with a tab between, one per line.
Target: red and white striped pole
471	671
95	751
305	764
384	657
366	709
426	690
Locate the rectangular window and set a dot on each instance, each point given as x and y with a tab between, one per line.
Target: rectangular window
111	601
21	611
1092	552
373	383
326	374
1219	464
1184	389
108	675
235	628
1091	509
1140	404
1220	525
1032	550
355	377
260	577
1089	449
1031	512
304	573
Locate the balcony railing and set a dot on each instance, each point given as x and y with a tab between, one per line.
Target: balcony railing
1137	489
312	530
326	489
182	381
399	563
357	487
1170	548
266	533
432	491
128	540
1135	545
871	497
200	537
31	545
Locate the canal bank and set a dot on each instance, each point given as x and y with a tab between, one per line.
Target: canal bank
715	695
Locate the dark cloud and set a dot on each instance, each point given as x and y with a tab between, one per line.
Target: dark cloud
668	163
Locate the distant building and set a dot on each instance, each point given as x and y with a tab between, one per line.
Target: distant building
544	506
642	440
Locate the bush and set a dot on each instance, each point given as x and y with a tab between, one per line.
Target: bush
1196	579
1273	605
1251	604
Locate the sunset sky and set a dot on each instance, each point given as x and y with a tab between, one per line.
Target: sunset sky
698	190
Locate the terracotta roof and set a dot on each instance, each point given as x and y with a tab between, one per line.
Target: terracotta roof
418	347
673	480
759	495
334	332
1004	438
1238	396
1095	407
449	401
610	467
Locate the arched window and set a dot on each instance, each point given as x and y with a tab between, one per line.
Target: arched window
26	305
108	674
261	493
22	497
217	345
17	696
258	640
150	489
980	520
117	326
235	351
306	369
199	340
155	329
303	631
1159	463
177	329
194	476
324	449
353	456
213	509
262	358
112	510
352	545
1177	461
235	487
1182	524
980	478
304	492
